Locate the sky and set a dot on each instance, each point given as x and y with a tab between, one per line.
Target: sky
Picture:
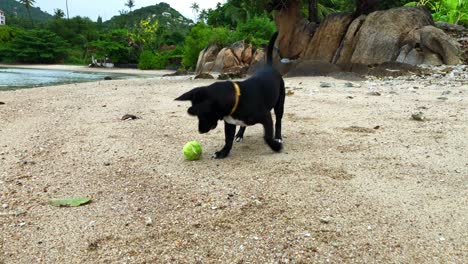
109	8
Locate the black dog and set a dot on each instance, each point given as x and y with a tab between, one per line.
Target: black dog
244	103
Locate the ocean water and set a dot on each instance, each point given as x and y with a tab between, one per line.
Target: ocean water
13	78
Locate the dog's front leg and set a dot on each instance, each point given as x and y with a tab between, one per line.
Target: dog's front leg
229	131
268	127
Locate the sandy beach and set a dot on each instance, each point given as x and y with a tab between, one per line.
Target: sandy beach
359	180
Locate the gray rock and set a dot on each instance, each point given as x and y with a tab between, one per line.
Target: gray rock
418	116
325	84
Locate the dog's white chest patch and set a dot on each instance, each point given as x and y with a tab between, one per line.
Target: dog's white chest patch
232	121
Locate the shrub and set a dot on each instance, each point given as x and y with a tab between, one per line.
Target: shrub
257	30
201	36
151	61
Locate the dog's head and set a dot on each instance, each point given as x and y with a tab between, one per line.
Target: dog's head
204	107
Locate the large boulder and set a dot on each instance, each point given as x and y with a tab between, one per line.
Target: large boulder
238	48
206	58
438	42
295	32
225	60
234	60
247	55
378	39
328	37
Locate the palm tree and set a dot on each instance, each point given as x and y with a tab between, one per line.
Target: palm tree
58	13
195	9
28	4
130	4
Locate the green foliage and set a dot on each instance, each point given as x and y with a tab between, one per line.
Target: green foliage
451	11
257	30
34	46
113	45
160	60
201	36
78	31
6	34
149	61
234	12
145	35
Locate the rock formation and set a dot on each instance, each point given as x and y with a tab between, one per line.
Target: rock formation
400	35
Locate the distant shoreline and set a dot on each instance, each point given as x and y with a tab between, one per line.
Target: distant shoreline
85	69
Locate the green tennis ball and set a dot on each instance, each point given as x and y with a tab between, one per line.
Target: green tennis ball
192	150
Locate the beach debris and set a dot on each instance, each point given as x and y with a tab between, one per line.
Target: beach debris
325	84
27	162
377	127
107	164
374	93
325	220
290	93
4	206
204	76
442	98
446	92
69	202
349	97
129	117
419	116
179	72
358	129
2	103
148	221
107	78
351	85
231	75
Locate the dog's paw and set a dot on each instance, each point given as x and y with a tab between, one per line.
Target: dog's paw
274	145
239	139
220	154
277	146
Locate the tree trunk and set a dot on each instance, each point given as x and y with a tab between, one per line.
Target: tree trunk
30	17
295	31
68	17
313	11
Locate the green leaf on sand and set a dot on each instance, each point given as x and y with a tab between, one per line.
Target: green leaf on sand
69	202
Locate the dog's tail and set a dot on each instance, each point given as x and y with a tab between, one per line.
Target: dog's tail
271	45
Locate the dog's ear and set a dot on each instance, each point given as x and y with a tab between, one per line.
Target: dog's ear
190	95
199	108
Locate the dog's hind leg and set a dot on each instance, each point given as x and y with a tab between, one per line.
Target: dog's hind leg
240	134
268	127
279	110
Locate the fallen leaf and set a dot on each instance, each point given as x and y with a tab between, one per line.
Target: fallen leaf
69	202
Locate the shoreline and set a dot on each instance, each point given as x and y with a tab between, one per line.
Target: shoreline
86	69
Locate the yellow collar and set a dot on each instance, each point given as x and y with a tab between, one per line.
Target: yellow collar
236	100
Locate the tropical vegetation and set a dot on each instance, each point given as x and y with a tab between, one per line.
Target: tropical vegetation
158	36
